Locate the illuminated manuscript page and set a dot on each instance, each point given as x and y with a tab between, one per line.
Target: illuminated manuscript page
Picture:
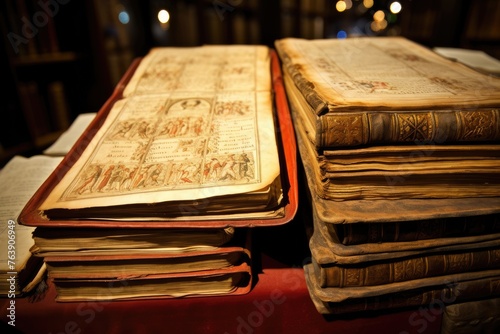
383	73
194	123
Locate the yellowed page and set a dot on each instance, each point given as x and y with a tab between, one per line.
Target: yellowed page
183	132
382	73
210	68
20	179
476	59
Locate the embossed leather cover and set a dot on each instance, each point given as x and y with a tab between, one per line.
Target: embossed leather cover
428	292
482	316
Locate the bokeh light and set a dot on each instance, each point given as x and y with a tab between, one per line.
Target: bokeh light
163	16
123	17
379	16
368	3
340	6
395	7
341	34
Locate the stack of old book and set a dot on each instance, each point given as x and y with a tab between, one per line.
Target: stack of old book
114	264
157	196
400	152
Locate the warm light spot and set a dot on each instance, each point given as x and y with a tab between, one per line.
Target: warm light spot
368	3
395	7
163	16
341	6
348	4
379	15
378	25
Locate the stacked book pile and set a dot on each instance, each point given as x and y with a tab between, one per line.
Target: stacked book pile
401	157
113	264
157	198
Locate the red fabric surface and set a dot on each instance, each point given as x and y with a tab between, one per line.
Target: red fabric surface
278	303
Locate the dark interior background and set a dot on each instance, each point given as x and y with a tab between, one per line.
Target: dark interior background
61	58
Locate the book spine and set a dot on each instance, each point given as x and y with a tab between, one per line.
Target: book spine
29	30
306	87
34	109
443	126
451	293
58	105
355	234
409	269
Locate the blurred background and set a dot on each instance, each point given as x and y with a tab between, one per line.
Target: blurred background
61	58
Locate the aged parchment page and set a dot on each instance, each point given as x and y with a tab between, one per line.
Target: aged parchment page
382	73
20	178
194	123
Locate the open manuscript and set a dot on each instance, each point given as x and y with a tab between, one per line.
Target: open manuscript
193	135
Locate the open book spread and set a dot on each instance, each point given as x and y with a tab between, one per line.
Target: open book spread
194	131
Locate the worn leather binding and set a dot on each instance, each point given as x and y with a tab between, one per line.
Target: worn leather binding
389	210
406	269
353	234
378	128
383	125
479	316
428	292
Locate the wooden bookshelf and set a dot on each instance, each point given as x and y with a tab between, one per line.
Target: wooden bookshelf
45	58
51	62
76	57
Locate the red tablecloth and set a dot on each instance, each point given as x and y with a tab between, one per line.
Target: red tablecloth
278	303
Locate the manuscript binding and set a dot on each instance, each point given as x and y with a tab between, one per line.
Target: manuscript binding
388	90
